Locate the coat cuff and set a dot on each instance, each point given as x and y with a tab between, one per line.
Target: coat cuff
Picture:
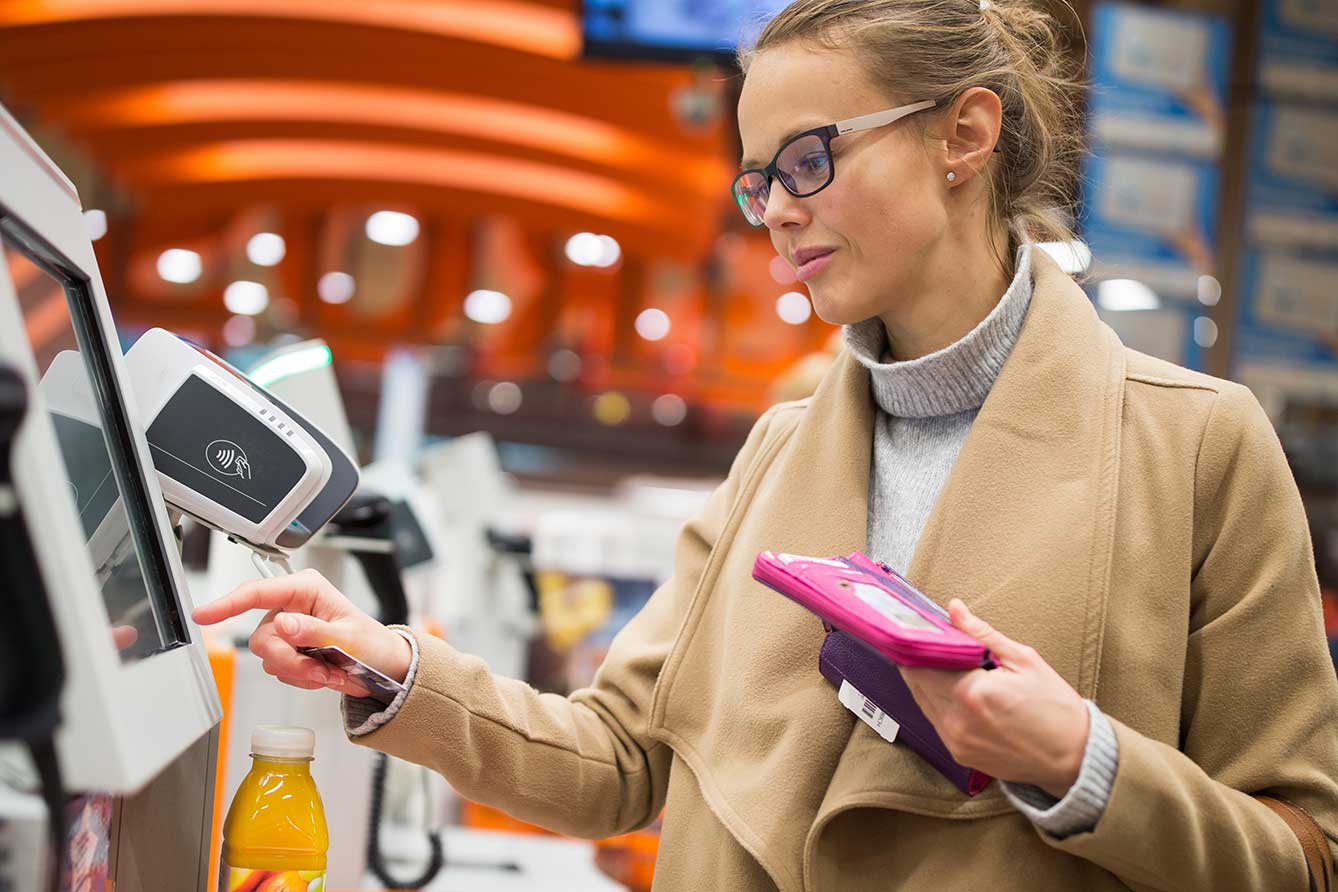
1082	807
365	714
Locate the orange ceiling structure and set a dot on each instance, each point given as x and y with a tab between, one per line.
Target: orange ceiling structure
476	106
213	119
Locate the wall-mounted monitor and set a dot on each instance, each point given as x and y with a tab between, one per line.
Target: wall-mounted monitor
672	30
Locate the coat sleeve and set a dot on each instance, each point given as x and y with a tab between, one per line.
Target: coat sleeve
1259	713
582	765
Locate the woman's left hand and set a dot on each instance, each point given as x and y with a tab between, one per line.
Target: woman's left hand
1021	722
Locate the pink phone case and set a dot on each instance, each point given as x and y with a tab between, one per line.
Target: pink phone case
875	605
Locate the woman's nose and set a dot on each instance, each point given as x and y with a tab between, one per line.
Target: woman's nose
782	207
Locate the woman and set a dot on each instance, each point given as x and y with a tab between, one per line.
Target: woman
1131	521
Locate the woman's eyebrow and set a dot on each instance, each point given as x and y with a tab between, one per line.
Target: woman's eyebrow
749	163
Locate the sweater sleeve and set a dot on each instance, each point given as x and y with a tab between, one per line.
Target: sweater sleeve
364	714
583	765
1081	807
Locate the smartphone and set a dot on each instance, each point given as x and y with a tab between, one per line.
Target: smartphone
378	684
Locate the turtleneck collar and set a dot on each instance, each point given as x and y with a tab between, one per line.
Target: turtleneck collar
956	378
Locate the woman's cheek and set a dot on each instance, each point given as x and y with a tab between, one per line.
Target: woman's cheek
842	295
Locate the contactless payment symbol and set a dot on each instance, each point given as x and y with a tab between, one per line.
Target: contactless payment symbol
228	459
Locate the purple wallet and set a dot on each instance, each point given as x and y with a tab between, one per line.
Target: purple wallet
844	658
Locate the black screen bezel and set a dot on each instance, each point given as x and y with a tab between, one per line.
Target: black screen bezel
126	458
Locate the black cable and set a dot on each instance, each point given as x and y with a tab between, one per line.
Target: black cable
375	861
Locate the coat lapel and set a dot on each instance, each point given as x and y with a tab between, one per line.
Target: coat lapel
1024	527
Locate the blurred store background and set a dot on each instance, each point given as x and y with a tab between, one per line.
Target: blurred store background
510	219
524	202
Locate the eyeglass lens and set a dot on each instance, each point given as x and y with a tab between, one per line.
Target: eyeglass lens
804	167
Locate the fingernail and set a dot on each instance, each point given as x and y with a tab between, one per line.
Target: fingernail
287	624
320	676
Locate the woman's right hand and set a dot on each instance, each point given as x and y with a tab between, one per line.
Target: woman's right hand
305	610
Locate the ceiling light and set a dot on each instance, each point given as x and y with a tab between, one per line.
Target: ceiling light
564	365
179	266
335	288
653	324
669	410
612	408
610	251
392	228
793	308
239	331
1205	332
504	398
589	249
487	307
584	249
265	249
246	298
1209	291
1125	294
95	221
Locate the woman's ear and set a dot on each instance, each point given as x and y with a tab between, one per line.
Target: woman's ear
970	132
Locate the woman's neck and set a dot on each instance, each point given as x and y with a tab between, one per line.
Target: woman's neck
957	287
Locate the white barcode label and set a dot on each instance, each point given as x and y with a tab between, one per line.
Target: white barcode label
868	713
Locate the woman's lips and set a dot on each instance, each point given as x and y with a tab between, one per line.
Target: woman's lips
811	268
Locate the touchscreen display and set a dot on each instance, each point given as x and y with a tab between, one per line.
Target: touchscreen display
891	608
98	458
90	471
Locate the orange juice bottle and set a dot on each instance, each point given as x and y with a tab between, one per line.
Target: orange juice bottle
274	838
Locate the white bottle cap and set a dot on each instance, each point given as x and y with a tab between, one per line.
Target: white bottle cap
283	741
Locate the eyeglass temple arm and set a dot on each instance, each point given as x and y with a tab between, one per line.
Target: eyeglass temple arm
878	119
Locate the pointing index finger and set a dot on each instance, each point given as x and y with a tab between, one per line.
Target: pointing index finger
283	593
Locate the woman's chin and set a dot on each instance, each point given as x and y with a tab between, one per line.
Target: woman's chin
834	310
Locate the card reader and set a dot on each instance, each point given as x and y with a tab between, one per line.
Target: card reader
231	455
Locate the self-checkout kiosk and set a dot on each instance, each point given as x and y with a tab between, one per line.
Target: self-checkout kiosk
108	688
138	709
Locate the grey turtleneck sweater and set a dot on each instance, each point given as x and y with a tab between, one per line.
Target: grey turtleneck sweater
927	406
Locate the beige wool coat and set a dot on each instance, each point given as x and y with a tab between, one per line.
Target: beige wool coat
1133	521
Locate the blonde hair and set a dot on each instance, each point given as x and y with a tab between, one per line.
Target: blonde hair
937	49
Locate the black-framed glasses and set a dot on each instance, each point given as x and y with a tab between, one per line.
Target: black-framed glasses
804	163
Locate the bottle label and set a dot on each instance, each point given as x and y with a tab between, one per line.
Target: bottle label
246	879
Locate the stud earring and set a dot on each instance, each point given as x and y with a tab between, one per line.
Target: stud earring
952	176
